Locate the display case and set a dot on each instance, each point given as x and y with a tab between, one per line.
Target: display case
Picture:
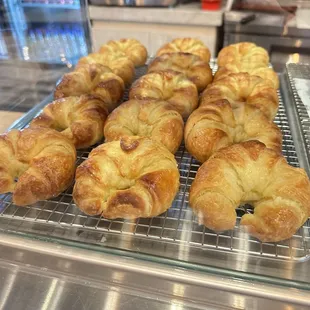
169	261
52	32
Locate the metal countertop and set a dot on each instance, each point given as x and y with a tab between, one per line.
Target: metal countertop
40	275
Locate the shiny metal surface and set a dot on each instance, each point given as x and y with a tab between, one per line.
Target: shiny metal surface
54	32
40	275
25	289
22	85
174	234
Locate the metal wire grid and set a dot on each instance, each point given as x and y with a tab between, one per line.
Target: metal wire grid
177	225
303	72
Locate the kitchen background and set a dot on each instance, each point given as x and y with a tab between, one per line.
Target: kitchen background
73	28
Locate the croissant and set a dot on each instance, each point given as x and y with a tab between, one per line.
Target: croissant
186	45
196	70
80	119
42	159
242	87
93	79
131	178
153	119
217	125
118	62
247	54
249	172
132	48
263	72
173	87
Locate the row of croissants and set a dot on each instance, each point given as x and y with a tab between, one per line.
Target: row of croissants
229	129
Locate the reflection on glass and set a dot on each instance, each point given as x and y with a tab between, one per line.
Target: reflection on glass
238	302
293	58
3	48
50	31
65	43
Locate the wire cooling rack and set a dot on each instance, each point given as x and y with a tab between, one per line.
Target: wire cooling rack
300	71
177	227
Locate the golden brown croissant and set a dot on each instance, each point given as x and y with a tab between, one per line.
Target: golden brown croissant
249	172
263	72
119	63
216	125
153	119
173	87
42	159
81	119
196	70
132	48
92	79
186	45
242	87
247	54
131	178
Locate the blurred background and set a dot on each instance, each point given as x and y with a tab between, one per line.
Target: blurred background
61	31
42	39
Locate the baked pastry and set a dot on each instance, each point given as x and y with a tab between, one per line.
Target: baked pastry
131	178
119	63
173	87
42	159
249	172
196	70
216	125
80	119
132	48
92	79
247	54
263	72
242	87
186	45
153	119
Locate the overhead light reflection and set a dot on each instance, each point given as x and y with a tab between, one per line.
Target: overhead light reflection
26	53
285	30
176	305
112	299
113	296
7	288
49	298
178	289
298	43
185	238
243	256
294	58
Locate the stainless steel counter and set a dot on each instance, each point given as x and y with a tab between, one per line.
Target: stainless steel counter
40	275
